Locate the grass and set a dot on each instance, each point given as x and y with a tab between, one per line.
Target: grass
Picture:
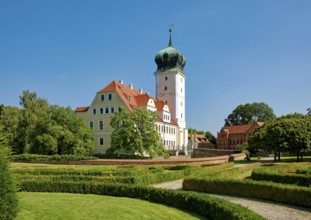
45	206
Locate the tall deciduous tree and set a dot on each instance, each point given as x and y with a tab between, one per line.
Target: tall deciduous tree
45	129
287	133
250	113
134	133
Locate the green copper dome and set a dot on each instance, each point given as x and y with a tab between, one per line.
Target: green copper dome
169	58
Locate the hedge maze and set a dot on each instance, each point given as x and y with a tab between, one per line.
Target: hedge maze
132	182
285	183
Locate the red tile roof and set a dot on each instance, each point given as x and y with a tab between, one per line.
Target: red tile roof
240	129
132	97
82	109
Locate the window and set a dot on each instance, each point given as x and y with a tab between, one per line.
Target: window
111	110
94	111
107	110
101	125
102	98
165	88
101	111
101	141
166	78
109	97
91	124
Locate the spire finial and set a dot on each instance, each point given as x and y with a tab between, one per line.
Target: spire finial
170	30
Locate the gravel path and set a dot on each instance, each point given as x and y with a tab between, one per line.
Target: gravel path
269	210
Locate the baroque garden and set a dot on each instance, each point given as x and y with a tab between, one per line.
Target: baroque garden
48	155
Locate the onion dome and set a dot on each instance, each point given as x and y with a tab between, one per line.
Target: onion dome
169	58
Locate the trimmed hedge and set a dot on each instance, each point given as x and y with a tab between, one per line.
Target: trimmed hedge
133	175
286	178
40	158
290	194
203	205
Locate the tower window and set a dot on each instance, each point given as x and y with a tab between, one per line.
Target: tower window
165	88
166	78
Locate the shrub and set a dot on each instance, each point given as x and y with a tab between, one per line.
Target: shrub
294	195
39	158
8	198
280	174
203	205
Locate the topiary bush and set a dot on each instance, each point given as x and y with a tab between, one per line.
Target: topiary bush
8	198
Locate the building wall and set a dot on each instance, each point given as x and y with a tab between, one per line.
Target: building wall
101	106
229	141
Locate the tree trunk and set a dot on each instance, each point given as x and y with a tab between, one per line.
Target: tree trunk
301	155
279	156
298	156
274	156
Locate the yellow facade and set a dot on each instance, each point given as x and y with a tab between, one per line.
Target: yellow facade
98	117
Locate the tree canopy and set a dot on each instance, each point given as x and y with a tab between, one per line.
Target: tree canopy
41	128
287	133
250	113
134	133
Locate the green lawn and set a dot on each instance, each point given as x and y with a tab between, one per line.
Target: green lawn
77	206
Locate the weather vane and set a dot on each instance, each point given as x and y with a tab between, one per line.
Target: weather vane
170	30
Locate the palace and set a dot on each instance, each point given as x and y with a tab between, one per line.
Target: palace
169	103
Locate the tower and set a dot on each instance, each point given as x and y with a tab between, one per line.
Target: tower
170	81
171	88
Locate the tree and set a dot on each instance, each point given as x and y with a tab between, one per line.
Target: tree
287	133
41	128
134	133
9	118
250	113
8	199
210	137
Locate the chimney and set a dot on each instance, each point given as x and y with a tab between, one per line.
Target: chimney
131	86
121	81
141	91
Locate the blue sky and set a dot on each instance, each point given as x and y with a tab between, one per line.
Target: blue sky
237	51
